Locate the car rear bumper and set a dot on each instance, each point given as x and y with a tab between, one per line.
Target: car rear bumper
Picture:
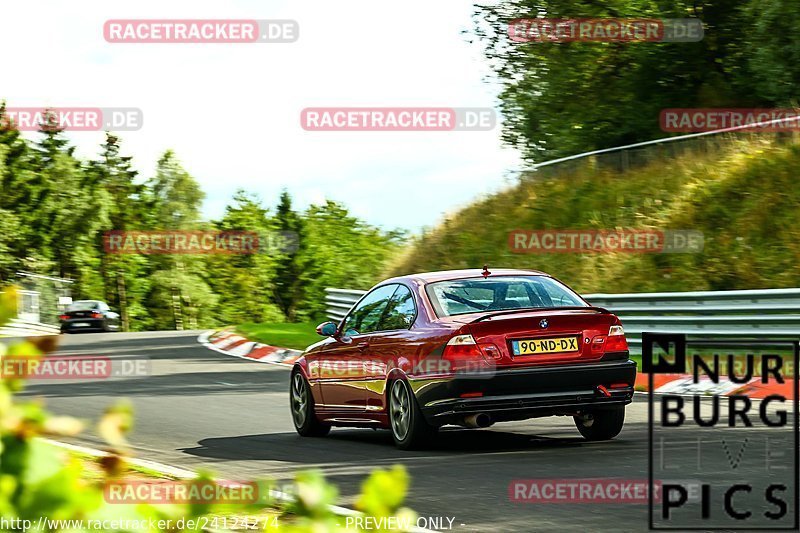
72	325
518	394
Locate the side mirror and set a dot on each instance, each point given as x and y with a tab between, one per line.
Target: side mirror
327	329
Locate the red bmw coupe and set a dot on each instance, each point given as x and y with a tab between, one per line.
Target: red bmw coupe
465	347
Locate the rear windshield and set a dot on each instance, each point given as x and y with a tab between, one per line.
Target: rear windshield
462	296
83	305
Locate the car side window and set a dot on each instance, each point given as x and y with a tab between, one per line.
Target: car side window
401	311
366	317
104	307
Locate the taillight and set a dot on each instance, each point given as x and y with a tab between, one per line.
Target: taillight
616	341
461	346
613	342
63	317
97	315
462	353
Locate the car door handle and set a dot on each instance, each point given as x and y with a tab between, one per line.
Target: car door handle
362	346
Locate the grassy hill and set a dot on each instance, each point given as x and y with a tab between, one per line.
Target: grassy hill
742	193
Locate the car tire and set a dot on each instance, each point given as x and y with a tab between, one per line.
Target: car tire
409	428
602	424
301	404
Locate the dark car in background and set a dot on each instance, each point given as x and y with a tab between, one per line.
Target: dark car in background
88	315
466	348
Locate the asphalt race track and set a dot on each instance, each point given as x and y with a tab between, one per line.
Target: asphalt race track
199	408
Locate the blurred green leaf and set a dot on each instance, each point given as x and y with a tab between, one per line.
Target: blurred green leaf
115	423
8	304
384	491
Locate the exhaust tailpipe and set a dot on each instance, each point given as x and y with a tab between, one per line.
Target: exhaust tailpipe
480	420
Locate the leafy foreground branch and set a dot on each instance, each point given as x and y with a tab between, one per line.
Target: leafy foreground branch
42	488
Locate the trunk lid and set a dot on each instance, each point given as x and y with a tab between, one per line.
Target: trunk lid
87	313
542	337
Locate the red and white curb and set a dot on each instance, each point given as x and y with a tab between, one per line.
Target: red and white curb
684	384
229	343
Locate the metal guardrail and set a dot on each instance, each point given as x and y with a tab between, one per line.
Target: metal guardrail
757	314
674	138
339	301
24	328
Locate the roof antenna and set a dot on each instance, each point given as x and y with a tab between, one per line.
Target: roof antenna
486	272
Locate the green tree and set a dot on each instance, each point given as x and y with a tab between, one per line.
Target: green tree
346	252
288	291
55	209
124	276
561	98
20	190
179	294
174	195
774	50
68	212
10	229
244	282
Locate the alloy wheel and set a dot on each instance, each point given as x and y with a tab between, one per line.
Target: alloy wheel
299	400
400	409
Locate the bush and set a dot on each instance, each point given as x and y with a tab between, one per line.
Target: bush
37	482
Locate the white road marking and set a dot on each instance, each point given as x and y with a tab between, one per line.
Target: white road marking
181	473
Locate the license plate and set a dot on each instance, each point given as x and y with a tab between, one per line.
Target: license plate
537	346
79	324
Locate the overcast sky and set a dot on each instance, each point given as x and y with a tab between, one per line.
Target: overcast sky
231	112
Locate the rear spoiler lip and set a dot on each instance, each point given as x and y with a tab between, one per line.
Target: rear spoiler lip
602	310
